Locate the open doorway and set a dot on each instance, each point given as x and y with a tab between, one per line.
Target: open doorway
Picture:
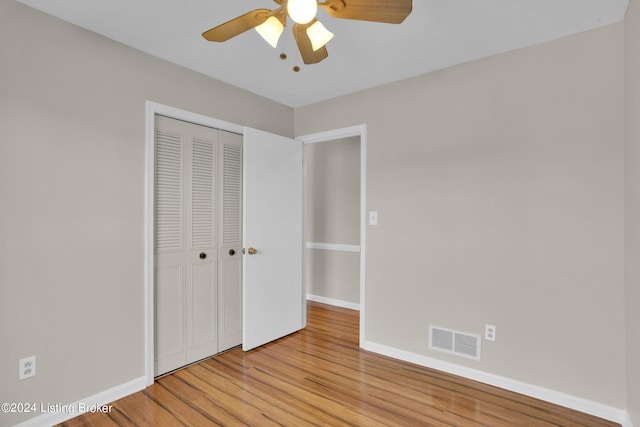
332	221
335	195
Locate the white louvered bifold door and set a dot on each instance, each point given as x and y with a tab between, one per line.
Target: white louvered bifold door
203	252
186	249
230	241
170	273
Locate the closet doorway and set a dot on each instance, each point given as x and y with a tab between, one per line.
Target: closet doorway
197	242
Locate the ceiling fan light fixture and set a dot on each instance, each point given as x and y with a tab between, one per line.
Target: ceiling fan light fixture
270	30
318	35
310	35
302	11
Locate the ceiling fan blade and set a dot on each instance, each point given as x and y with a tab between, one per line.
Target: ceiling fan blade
309	56
237	25
388	11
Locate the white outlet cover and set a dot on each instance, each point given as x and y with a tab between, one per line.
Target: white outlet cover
27	367
489	332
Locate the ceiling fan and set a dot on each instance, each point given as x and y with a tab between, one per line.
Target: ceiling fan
310	35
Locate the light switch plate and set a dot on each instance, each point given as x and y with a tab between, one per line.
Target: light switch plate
373	217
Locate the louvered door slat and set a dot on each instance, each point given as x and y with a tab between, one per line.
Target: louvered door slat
168	193
202	197
232	195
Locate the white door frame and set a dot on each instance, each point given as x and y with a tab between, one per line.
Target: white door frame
151	109
361	131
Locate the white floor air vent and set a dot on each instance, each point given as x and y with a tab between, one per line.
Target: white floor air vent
454	342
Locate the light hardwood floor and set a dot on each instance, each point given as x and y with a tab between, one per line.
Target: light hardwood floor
319	376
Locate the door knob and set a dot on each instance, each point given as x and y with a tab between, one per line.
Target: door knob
232	252
252	251
203	255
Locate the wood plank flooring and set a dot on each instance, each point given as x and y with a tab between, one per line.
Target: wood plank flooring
320	377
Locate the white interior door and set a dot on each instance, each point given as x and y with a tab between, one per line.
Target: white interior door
273	291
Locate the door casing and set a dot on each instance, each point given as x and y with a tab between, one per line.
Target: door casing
361	131
152	109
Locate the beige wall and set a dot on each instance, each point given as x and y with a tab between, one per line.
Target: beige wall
632	205
499	187
332	215
72	165
333	274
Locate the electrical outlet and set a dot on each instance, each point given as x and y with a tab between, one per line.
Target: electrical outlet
489	332
27	367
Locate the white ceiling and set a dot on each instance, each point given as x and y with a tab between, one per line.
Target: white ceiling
437	34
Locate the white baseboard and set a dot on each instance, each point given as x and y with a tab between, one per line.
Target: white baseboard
568	401
336	302
62	412
627	420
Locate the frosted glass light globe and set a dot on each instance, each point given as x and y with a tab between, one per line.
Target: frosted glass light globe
318	35
302	11
270	30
